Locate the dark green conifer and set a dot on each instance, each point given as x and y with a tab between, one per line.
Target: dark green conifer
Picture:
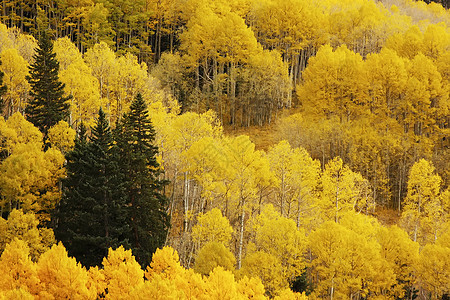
148	218
48	105
92	213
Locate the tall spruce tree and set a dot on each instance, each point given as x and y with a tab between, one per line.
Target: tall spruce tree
48	105
2	90
93	211
148	216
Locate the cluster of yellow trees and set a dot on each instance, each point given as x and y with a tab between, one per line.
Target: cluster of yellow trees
272	215
100	78
57	276
372	85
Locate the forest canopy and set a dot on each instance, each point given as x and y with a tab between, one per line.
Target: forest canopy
299	149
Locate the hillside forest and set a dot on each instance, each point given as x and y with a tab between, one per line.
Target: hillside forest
239	149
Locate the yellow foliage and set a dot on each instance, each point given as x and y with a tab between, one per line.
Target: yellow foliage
84	88
342	190
251	288
16	130
422	213
288	294
16	294
62	137
66	53
296	175
122	273
344	259
278	241
18	271
212	255
15	68
212	227
165	273
434	270
25	227
332	84
165	262
27	172
401	254
61	276
221	285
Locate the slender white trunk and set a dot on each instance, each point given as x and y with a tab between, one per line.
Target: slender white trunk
241	238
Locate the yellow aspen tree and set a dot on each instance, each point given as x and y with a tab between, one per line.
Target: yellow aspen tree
29	176
347	264
122	273
296	176
212	227
102	61
61	137
387	76
280	241
25	226
436	40
131	78
423	191
266	267
280	158
291	27
180	135
61	276
219	41
332	84
6	41
158	288
25	44
15	68
401	254
433	270
244	163
17	131
288	294
221	284
96	26
27	172
162	277
340	190
267	88
19	272
205	163
79	82
366	141
425	97
66	53
84	88
165	269
407	44
251	288
212	255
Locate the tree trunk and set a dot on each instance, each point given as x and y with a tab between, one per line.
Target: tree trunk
241	238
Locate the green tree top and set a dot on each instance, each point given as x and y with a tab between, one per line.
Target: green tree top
148	218
48	105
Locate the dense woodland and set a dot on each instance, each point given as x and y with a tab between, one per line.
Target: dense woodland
342	192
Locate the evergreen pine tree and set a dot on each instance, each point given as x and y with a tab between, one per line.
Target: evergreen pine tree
92	212
2	90
148	218
48	105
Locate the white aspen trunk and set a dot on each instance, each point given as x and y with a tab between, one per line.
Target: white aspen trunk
241	238
186	200
417	222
